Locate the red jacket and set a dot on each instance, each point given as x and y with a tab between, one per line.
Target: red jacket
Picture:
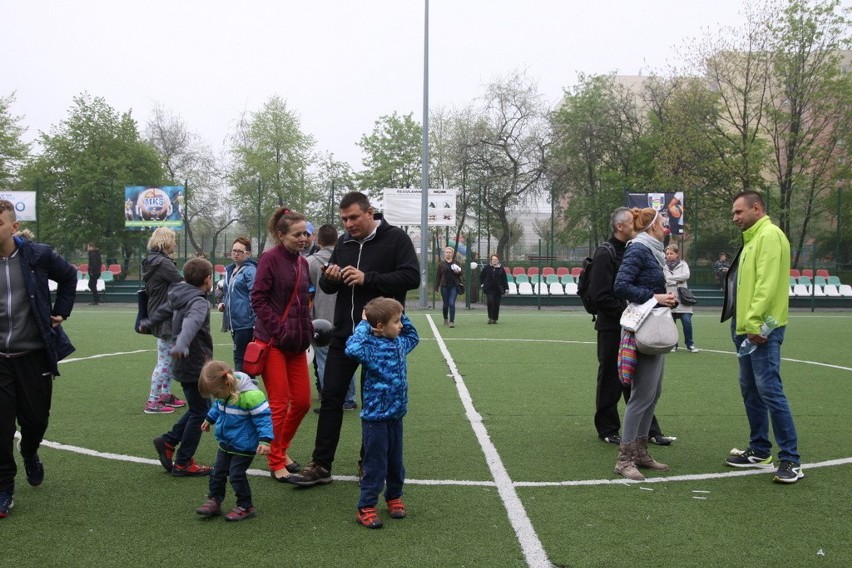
278	270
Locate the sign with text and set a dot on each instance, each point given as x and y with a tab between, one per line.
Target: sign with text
151	207
669	204
403	206
24	202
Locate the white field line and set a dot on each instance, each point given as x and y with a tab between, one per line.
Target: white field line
530	543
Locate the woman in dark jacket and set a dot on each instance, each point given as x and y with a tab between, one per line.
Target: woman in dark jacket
639	279
159	273
281	302
495	284
448	280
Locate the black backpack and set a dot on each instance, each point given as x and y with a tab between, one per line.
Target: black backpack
583	280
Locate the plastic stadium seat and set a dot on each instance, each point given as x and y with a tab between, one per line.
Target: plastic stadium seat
522	279
567	279
83	285
548	271
219	269
794	272
820	281
535	279
518	270
540	289
562	271
791	294
801	290
513	289
52	285
115	269
508	271
556	289
83	268
808	272
571	289
532	271
793	281
845	290
818	291
551	278
834	280
831	290
107	276
822	272
576	271
805	280
525	289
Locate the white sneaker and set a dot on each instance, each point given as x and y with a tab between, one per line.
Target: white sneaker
692	349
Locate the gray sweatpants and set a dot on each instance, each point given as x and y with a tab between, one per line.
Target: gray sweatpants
644	393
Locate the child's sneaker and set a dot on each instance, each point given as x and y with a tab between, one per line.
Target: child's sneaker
191	469
166	453
369	517
154	407
210	508
240	514
171	401
396	508
6	504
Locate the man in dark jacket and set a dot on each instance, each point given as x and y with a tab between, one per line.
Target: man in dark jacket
371	259
95	268
609	388
31	345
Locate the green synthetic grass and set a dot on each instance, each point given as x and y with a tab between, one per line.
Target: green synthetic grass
531	379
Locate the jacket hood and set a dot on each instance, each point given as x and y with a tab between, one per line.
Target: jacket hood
182	293
152	262
244	382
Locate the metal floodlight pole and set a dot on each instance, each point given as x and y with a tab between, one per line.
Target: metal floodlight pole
424	198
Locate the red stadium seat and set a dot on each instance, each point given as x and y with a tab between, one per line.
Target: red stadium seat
518	270
562	271
794	272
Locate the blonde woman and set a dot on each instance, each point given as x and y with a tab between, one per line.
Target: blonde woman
639	279
159	273
448	280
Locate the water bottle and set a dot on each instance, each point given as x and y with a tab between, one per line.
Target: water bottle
747	347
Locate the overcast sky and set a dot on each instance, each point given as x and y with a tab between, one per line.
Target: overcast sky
340	64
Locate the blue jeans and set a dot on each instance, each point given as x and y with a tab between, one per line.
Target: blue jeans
448	295
764	399
241	337
233	466
382	461
320	355
186	433
686	319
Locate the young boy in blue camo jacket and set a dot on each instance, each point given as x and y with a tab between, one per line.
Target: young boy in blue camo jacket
380	344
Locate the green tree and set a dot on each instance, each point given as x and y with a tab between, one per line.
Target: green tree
84	165
13	150
807	111
392	154
330	179
270	157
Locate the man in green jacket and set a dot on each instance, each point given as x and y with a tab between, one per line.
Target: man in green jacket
756	287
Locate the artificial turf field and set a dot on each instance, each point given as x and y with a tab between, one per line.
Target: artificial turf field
503	464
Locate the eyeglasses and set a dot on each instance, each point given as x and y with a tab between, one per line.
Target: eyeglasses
238	252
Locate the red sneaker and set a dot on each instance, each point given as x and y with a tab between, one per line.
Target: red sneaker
191	469
210	508
171	400
368	516
166	453
396	508
240	514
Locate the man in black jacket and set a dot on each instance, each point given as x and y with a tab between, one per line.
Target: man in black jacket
371	259
609	388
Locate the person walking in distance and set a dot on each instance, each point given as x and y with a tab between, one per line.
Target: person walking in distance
95	268
756	294
372	259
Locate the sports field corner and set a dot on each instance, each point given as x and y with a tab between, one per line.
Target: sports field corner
503	465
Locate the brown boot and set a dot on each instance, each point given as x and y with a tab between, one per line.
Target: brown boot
644	459
625	466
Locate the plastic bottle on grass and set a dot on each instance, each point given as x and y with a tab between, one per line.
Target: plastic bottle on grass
747	347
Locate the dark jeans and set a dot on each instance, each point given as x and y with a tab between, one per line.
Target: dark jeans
382	461
233	466
186	433
493	304
449	295
93	286
609	388
338	374
686	319
26	388
241	337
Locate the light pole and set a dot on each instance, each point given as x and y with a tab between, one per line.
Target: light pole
424	201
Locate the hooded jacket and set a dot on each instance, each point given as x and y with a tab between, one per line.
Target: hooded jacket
237	295
159	273
390	267
188	310
242	424
384	389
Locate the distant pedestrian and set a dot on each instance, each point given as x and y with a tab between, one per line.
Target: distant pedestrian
495	284
677	275
95	268
448	280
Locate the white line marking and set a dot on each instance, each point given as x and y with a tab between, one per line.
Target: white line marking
102	355
530	543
